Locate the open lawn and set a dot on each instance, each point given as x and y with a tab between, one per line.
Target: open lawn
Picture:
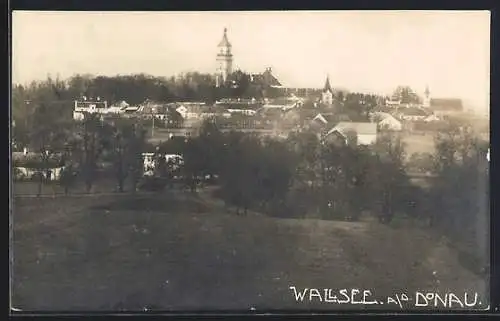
178	251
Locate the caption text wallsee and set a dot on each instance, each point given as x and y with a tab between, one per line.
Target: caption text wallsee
403	300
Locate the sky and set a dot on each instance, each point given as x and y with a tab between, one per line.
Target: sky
367	51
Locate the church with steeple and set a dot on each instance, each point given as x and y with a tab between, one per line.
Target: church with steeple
327	94
224	60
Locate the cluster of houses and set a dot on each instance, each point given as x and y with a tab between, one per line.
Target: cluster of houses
187	110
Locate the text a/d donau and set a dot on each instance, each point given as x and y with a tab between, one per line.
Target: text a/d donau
366	297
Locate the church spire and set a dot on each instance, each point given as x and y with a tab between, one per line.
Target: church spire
327	85
224	42
427	92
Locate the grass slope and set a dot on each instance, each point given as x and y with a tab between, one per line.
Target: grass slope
184	252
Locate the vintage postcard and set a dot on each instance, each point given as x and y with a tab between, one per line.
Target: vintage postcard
250	161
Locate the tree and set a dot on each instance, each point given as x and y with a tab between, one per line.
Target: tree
93	138
391	178
135	161
123	134
194	160
47	137
405	95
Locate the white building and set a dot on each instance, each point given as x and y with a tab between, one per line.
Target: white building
84	105
366	133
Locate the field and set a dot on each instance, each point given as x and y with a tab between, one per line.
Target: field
179	251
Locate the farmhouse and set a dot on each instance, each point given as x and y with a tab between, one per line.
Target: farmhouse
364	133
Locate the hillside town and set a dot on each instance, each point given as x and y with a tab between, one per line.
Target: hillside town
204	180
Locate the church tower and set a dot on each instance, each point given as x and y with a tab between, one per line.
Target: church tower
327	95
224	59
427	97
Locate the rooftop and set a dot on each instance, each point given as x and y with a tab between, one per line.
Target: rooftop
359	128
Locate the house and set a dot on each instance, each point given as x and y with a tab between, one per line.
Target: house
190	111
386	121
365	133
83	106
152	109
117	108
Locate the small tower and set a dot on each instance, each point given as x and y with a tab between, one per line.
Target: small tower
427	98
224	59
327	95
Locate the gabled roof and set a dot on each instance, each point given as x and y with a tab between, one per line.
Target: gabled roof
266	78
320	118
224	42
359	128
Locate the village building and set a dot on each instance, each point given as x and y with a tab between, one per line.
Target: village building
29	164
387	122
84	106
151	109
363	133
190	110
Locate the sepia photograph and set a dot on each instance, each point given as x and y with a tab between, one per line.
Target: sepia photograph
249	161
